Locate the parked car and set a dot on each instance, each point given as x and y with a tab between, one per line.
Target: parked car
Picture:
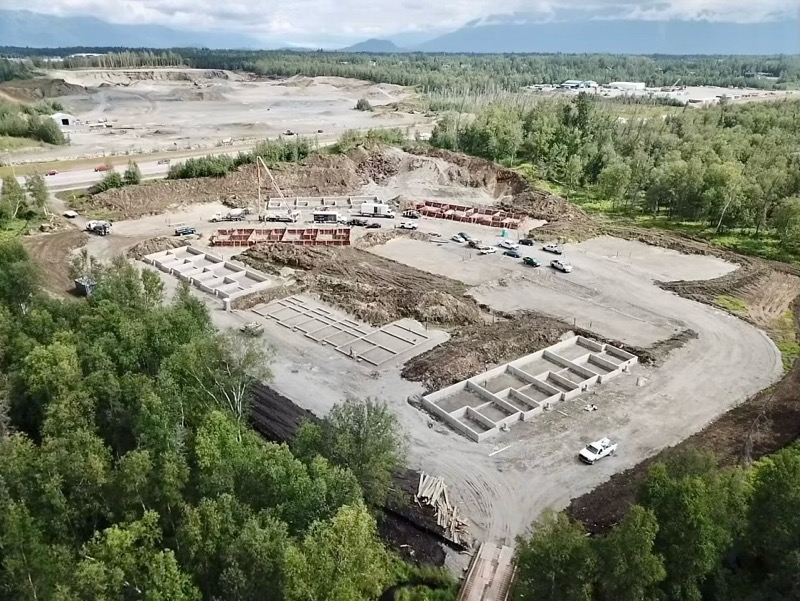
553	248
597	450
185	230
70	214
253	328
411	214
102	168
486	250
357	222
526	242
288	132
512	253
163	161
374	226
458	239
531	261
52	172
407	225
561	265
508	244
465	236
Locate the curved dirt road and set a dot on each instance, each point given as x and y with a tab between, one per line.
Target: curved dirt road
728	362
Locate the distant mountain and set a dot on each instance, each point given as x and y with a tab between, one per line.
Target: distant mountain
514	34
24	28
374	46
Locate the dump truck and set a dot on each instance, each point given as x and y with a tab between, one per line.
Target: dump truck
232	215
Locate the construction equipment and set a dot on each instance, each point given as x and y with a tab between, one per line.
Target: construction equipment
232	215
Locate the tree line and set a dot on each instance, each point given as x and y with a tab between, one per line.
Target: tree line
128	469
440	72
11	70
22	202
696	532
731	166
31	121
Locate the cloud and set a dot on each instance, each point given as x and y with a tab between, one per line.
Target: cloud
331	21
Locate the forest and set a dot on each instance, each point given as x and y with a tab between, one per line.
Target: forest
731	172
696	532
447	72
30	121
128	469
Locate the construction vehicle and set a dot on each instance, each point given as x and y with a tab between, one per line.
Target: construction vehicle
327	215
185	230
101	228
376	209
232	215
281	216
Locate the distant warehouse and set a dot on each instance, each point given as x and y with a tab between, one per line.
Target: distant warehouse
627	86
65	120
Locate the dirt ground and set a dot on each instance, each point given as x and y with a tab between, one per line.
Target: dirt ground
170	109
373	289
52	252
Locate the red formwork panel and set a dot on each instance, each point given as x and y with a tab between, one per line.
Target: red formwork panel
301	236
489	216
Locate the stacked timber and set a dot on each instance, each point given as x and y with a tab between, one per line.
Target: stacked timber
432	491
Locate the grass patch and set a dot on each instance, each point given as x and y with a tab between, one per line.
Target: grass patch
13	143
784	334
80	201
731	303
12	229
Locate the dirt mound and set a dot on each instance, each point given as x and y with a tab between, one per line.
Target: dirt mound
33	90
154	245
371	239
369	287
474	347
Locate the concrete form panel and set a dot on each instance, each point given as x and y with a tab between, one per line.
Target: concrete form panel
480	406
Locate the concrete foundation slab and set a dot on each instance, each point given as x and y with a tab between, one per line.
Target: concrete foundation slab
517	391
353	338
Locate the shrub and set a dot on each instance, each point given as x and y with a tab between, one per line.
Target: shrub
363	105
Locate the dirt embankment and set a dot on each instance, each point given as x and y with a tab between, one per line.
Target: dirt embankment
475	347
153	245
33	90
369	287
52	253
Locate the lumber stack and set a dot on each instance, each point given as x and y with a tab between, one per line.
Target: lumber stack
432	491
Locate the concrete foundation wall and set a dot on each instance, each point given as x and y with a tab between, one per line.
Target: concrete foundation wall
512	402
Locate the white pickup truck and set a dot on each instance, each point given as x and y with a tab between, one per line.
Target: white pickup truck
595	451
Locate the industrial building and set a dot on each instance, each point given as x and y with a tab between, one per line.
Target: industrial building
65	120
577	84
627	86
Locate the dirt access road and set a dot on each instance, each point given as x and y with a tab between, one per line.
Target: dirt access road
613	287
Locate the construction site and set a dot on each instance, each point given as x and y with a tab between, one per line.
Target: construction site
499	371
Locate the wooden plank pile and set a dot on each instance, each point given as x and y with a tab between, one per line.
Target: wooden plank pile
432	491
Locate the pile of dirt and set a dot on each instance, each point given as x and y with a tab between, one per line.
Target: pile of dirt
374	289
33	90
153	245
371	239
474	348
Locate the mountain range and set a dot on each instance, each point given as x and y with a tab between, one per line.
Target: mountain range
509	34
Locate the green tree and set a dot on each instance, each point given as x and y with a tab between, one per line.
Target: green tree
556	563
363	105
12	198
339	560
614	181
19	277
773	537
132	175
627	567
363	436
37	191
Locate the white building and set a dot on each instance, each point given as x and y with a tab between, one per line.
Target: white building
65	120
627	86
576	84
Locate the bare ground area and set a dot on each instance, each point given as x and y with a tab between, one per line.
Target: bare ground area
371	288
51	252
475	346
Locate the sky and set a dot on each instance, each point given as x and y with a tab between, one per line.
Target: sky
325	22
